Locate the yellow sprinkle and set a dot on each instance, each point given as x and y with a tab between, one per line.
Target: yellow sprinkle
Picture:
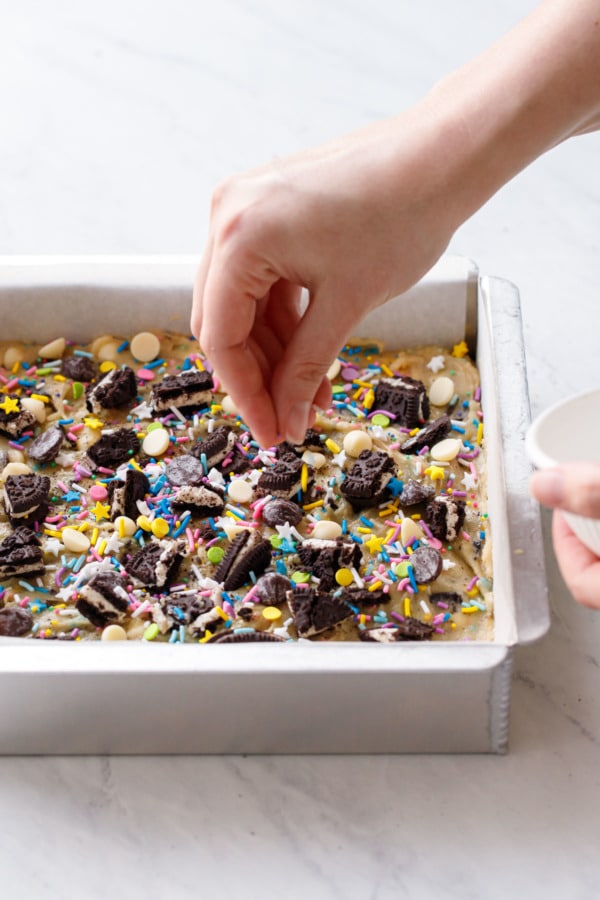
362	619
271	613
473	592
135	465
332	446
160	527
436	473
375	586
470	609
344	577
364	384
479	437
101	547
369	399
388	536
83	526
94	536
144	523
222	613
387	370
407	606
314	505
207	637
362	530
452	624
460	350
52	533
41	397
107	365
93	422
304	478
232	515
215	408
199	364
357	393
58	377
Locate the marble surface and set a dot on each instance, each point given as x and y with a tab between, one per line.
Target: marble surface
117	120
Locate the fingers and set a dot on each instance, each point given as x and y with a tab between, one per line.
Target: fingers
196	318
574	487
579	567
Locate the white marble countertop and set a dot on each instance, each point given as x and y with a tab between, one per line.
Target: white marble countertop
117	120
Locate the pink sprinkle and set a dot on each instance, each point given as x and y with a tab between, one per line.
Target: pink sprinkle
402	585
190	537
62	486
24	602
105	471
386	589
438	618
76	428
12	383
459	493
477	395
205	593
72	437
82	515
58	576
430	538
442	604
98	492
395	446
51	519
397	616
182	439
473	469
83	471
145	374
472	583
94	553
466	536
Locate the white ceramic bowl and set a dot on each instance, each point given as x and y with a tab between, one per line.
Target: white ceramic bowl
567	432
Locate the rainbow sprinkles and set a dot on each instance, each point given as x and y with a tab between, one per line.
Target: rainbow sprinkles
136	504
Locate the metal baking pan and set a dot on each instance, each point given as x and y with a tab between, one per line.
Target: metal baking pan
97	697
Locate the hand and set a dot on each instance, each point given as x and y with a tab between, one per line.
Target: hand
576	488
355	222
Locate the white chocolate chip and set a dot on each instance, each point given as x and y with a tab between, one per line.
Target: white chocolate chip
316	460
326	530
15	456
125	526
410	529
441	391
53	349
229	406
240	491
357	441
36	407
334	370
108	352
74	540
446	450
114	633
99	342
12	355
156	442
145	346
14	468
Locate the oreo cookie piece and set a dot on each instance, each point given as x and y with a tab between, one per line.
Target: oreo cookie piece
184	469
183	610
21	554
200	499
46	446
14	420
312	440
156	563
428	436
408	630
363	597
78	368
322	558
235	463
284	478
316	611
427	564
415	492
189	389
406	398
445	517
113	448
123	495
248	552
245	637
452	598
271	589
15	622
26	498
215	447
115	389
366	481
278	512
103	599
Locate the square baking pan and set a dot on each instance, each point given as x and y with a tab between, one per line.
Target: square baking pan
142	697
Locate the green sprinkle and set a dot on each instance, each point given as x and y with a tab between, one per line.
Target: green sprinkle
153	426
77	390
215	554
151	632
300	577
276	541
380	419
401	569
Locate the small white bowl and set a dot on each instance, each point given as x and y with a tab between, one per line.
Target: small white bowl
568	432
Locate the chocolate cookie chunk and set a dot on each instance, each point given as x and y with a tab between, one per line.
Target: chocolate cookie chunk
78	368
428	436
26	498
415	492
113	448
115	389
278	512
215	447
14	420
363	597
123	496
187	390
21	554
451	598
235	463
156	563
46	446
408	630
315	611
406	398
15	622
103	599
184	469
248	552
427	563
200	499
245	637
183	610
366	481
271	588
445	517
322	558
284	478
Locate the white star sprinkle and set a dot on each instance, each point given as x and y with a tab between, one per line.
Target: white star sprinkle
448	564
142	411
469	481
436	364
53	546
339	459
215	477
288	532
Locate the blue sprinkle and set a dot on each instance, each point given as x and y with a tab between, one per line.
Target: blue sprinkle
204	462
356	538
344	527
411	575
154	365
182	525
122	346
65	421
182	634
187	364
458	428
79	562
83	353
27	586
366	521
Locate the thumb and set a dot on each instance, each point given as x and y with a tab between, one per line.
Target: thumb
574	487
299	378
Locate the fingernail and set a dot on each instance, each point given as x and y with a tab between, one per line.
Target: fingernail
298	422
549	486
